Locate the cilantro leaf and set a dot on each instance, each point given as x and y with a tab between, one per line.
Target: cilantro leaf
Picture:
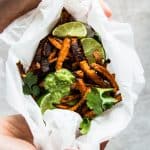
26	89
100	100
94	101
30	85
30	79
35	90
107	100
85	126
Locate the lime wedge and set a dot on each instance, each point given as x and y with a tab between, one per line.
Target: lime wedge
45	102
70	29
89	46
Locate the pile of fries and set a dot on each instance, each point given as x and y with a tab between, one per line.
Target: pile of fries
55	53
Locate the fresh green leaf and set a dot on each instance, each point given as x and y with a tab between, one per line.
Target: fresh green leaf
85	126
26	90
35	90
30	79
30	84
107	100
100	100
94	101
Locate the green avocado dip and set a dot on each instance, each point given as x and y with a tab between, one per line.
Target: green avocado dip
57	85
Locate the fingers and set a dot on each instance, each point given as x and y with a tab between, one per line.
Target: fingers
10	143
103	145
12	9
15	126
106	8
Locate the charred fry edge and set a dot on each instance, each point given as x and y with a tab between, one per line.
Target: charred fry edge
106	74
90	114
61	106
81	86
21	69
51	56
92	74
53	60
118	97
69	98
55	42
82	100
79	73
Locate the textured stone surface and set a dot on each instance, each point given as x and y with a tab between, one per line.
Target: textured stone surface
137	13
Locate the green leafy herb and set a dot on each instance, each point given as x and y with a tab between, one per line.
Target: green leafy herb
30	85
35	90
100	100
85	126
30	79
26	89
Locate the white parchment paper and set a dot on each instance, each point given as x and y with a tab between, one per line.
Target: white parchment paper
59	132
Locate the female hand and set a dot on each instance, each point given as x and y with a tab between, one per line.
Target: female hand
15	134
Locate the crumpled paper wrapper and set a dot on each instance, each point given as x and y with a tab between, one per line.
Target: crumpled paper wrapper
59	131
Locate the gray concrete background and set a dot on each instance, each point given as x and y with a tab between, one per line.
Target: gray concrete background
137	13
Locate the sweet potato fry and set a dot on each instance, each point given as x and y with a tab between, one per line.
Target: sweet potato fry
90	114
53	60
84	109
97	57
81	86
51	56
118	97
92	74
114	75
79	73
63	53
21	69
69	98
55	42
75	65
82	100
106	74
62	106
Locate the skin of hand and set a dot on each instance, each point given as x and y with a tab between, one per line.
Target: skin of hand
9	11
15	134
14	131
